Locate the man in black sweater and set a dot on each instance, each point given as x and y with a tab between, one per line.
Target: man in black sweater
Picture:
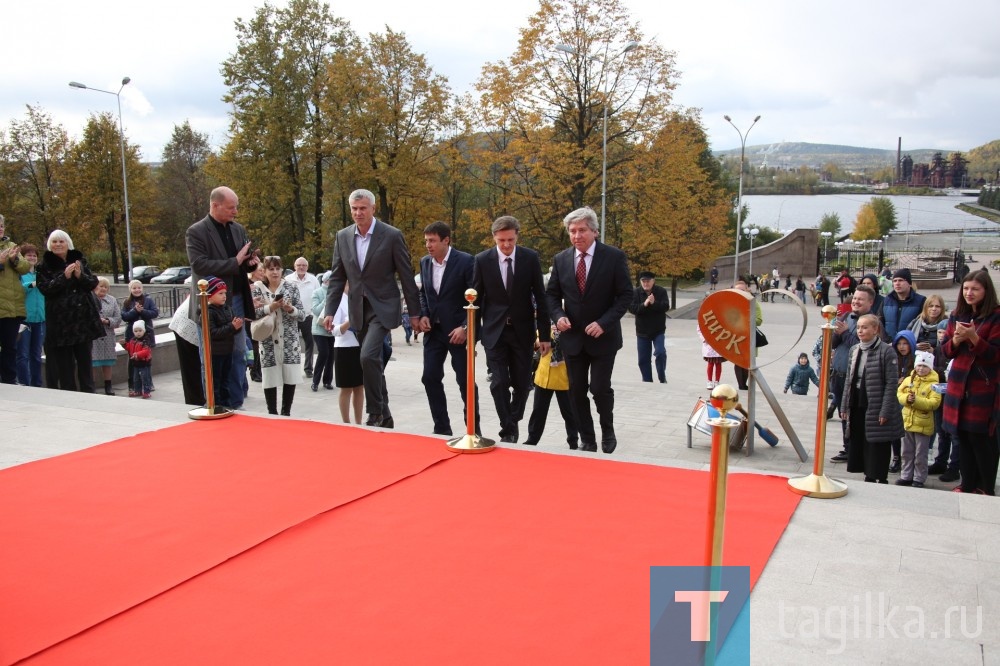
650	303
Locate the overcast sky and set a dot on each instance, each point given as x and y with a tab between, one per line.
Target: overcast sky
854	73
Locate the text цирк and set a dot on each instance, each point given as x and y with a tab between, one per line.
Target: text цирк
721	333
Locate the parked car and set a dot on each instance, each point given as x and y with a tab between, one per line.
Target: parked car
145	273
173	275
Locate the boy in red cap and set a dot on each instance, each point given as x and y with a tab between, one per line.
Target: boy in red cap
222	328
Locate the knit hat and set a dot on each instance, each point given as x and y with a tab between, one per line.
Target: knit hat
924	358
215	285
903	273
139	328
943	325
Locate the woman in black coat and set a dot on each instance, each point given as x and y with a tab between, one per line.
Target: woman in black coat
869	404
72	317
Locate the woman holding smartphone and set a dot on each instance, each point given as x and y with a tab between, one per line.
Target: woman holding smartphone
972	399
280	357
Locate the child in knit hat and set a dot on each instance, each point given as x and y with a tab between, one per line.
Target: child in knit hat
919	401
140	352
222	328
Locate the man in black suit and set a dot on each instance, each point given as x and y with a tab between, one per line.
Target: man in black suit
589	292
369	255
217	245
445	274
512	305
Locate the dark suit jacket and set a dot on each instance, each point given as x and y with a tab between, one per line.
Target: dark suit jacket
208	256
496	307
386	258
446	308
605	299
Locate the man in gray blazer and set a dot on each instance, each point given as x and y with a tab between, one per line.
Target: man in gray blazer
369	255
217	245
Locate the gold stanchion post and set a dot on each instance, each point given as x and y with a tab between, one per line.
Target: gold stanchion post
210	410
470	442
818	484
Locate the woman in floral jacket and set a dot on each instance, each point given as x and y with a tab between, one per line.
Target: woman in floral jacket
280	357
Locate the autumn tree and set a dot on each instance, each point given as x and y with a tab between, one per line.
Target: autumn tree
885	213
675	221
94	197
182	185
866	225
393	105
544	108
278	80
32	153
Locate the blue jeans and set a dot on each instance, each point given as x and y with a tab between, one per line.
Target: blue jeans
142	379
654	345
29	354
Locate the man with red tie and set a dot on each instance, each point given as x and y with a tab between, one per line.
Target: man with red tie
588	293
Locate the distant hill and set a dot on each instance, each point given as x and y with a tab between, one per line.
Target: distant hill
792	155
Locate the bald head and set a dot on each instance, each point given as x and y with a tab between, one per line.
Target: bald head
223	204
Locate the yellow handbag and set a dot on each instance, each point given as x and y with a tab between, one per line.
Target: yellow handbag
554	378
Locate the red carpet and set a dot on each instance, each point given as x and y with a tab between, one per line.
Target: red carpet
214	542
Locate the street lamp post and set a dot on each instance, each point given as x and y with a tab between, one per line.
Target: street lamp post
121	142
739	198
826	237
631	46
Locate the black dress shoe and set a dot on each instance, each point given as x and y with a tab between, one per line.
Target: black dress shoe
950	475
314	388
608	443
328	387
528	442
509	439
374	420
840	457
937	468
896	465
309	373
572	444
386	422
588	446
443	431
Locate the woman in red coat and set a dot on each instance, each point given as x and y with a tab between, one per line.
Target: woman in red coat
972	400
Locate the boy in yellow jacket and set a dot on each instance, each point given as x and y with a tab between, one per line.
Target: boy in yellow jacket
919	401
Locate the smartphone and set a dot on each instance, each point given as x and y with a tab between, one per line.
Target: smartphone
278	297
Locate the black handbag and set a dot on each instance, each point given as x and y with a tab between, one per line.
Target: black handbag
761	338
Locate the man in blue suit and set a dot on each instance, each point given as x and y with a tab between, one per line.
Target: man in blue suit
445	274
588	293
508	279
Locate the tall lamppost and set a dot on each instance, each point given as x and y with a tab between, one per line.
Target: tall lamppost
751	233
121	142
826	237
631	46
739	198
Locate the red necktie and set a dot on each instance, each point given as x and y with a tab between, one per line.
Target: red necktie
581	273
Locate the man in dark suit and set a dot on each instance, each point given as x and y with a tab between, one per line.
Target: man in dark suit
216	245
445	274
512	305
589	292
369	255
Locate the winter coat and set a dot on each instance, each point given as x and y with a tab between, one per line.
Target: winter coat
221	329
905	362
148	315
919	417
897	315
11	291
71	311
880	383
104	348
972	398
799	377
139	351
34	302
